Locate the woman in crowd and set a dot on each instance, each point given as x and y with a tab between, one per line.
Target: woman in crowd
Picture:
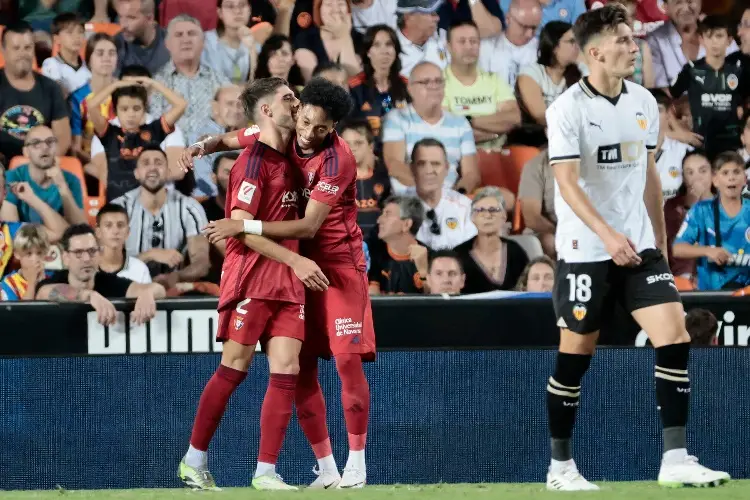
490	261
539	84
538	276
277	59
230	48
101	58
330	39
380	87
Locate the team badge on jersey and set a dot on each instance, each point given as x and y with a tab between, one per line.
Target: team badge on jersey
642	121
674	172
579	312
747	235
238	322
451	222
146	135
563	13
732	81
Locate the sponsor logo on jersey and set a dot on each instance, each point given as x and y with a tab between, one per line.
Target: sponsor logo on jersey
246	191
659	277
346	326
732	81
327	188
301	312
642	121
597	125
451	222
624	153
579	312
718	100
740	258
465	102
289	199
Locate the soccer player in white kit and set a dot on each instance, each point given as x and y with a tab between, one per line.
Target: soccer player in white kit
611	242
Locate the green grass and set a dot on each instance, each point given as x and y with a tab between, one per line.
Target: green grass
739	490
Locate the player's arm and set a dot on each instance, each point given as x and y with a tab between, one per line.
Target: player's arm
137	290
681	84
300	229
654	200
229	141
686	244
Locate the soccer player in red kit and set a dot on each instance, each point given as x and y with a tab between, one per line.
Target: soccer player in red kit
339	320
261	299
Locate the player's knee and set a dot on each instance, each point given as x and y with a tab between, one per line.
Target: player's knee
348	365
576	343
236	356
286	364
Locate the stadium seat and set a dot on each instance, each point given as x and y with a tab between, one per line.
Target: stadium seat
503	168
206	14
109	28
529	243
684	284
518	225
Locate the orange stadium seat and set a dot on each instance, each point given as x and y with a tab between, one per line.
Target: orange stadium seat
684	284
503	168
518	224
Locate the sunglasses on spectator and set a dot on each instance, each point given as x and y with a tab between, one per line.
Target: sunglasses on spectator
35	143
487	210
80	252
157	227
434	224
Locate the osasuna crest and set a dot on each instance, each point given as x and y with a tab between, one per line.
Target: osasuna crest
238	322
310	178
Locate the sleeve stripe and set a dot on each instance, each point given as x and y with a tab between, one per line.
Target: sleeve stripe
564	158
332	164
253	162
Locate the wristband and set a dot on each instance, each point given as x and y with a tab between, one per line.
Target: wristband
201	145
253	227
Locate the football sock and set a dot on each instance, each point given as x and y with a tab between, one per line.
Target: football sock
355	397
673	395
264	468
275	415
311	413
196	458
211	407
563	393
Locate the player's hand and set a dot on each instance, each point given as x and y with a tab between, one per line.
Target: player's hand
144	309
166	256
106	314
310	274
218	230
185	161
418	255
621	249
718	255
23	191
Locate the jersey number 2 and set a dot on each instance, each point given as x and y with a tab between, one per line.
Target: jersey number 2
580	287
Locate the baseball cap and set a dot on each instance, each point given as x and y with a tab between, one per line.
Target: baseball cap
418	6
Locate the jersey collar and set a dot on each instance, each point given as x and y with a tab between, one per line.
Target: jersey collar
590	91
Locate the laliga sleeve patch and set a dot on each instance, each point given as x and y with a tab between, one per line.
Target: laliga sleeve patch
253	129
245	193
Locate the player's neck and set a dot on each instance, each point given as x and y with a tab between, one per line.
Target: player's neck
465	73
274	137
112	258
606	85
81	285
432	198
71	57
153	201
732	206
715	62
400	245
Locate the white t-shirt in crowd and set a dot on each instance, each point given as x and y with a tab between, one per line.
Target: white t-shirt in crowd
611	139
380	12
435	50
452	216
175	139
498	55
66	75
550	89
669	164
135	270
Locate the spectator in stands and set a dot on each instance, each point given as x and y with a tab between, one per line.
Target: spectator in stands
59	189
555	69
173	144
445	275
369	13
123	144
669	152
423	118
226	114
718	241
744	151
30	248
536	191
491	261
676	42
230	48
538	275
27	99
334	73
373	183
8	230
644	62
419	36
101	58
486	14
380	87
187	75
67	68
743	32
331	38
276	58
83	282
696	186
483	98
702	326
517	44
142	41
214	208
112	231
399	263
447	212
165	224
40	15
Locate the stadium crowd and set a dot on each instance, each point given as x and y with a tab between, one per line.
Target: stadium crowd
98	99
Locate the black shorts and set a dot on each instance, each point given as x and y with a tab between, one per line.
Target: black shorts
585	293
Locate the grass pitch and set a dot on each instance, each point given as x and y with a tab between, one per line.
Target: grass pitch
739	490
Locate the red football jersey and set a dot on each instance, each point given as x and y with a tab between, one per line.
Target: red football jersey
263	183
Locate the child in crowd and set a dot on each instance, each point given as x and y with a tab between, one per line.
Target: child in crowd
67	68
30	248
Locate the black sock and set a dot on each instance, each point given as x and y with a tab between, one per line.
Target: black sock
563	392
673	392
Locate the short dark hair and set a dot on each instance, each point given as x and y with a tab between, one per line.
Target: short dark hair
701	324
335	101
233	155
19	28
134	91
91	45
549	40
152	147
712	23
73	231
66	19
111	208
359	125
447	254
134	70
410	207
260	89
460	23
727	157
328	66
427	142
597	21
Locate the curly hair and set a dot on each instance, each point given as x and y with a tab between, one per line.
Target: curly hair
334	100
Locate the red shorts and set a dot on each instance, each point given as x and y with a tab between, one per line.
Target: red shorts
339	320
254	320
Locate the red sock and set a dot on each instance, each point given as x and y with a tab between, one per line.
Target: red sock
275	415
355	396
213	403
311	408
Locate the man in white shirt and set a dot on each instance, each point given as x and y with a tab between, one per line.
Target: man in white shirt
419	35
447	221
366	13
513	49
112	231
